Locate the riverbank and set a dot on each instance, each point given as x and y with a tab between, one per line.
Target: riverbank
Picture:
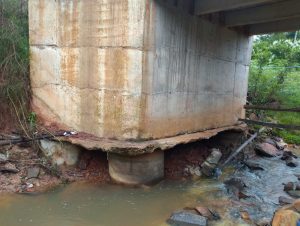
250	189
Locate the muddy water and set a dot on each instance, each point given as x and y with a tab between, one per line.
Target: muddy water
113	205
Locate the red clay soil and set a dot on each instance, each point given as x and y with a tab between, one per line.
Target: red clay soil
93	167
177	159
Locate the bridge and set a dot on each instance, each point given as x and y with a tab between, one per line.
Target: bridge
136	77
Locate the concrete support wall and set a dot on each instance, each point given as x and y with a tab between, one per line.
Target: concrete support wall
86	64
198	73
131	69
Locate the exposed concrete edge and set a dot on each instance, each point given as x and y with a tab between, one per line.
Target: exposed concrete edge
141	147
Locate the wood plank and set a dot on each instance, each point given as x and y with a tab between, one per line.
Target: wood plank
278	26
271	125
259	107
212	6
261	14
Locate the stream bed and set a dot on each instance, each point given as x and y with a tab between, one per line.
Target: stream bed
84	204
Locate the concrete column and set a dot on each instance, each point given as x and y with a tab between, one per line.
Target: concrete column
134	170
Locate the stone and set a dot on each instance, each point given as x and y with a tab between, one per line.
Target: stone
185	218
281	145
236	182
136	170
294	193
264	222
61	153
253	165
270	141
204	211
285	218
9	168
245	215
193	171
210	164
33	172
266	149
285	200
291	186
286	154
214	157
208	213
291	162
3	158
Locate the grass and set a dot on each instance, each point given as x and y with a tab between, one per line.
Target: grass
287	94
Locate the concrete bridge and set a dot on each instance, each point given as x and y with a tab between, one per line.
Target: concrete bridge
137	77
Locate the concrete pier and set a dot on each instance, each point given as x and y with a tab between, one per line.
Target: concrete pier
134	70
134	170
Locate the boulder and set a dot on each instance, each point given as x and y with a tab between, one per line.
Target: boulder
285	200
236	182
285	218
296	205
266	149
253	165
270	141
291	162
185	218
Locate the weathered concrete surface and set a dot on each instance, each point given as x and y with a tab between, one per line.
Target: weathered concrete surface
143	147
134	69
133	170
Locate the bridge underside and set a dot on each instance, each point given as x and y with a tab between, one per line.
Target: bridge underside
250	16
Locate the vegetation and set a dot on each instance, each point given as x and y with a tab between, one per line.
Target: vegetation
275	78
14	63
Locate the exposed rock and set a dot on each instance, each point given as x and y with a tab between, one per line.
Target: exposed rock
61	152
285	218
296	205
291	162
270	141
281	145
266	149
208	213
9	168
33	172
185	218
245	215
253	165
3	158
291	186
210	164
264	222
294	193
236	182
285	200
193	171
286	154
